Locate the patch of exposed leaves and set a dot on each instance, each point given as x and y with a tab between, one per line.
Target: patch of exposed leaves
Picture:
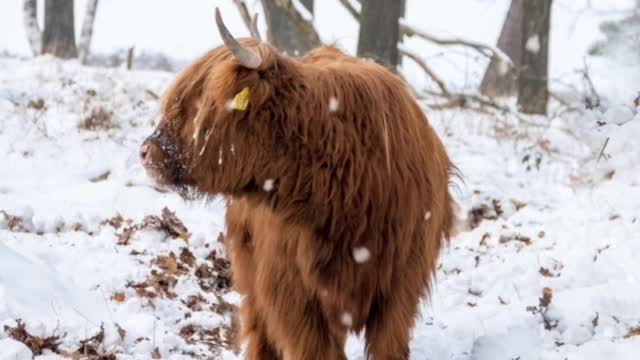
222	307
174	265
98	119
36	344
91	348
543	308
552	272
37	104
195	302
482	212
158	283
118	297
634	331
215	274
515	237
161	281
116	221
14	223
186	257
168	223
213	338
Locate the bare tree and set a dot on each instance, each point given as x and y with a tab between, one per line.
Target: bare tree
288	29
30	17
533	92
500	79
380	31
87	30
59	38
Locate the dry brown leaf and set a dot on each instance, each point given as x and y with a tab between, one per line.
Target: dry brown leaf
118	297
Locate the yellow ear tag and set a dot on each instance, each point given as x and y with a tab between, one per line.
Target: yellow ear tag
241	100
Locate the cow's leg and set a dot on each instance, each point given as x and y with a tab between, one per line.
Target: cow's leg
296	321
310	337
254	332
388	330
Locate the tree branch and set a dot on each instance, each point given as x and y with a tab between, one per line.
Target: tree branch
352	10
244	12
486	50
406	52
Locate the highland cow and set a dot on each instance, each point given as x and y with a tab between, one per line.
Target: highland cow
336	187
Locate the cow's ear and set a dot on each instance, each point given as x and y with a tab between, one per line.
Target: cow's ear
244	56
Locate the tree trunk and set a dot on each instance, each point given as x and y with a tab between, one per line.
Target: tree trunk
87	30
288	30
59	35
34	34
380	31
309	5
533	92
500	79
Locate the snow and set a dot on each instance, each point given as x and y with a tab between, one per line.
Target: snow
334	104
569	214
346	319
268	185
14	350
533	44
427	215
361	254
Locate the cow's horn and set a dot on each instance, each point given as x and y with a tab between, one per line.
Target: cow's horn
254	28
245	57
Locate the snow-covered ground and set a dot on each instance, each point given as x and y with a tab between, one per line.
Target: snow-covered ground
558	216
85	240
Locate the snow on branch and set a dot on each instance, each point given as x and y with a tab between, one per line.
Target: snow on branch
484	49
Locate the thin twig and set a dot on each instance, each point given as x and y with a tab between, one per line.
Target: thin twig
592	101
406	52
606	142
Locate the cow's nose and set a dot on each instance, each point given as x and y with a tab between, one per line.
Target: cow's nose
151	152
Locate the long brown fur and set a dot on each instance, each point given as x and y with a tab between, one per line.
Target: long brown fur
371	175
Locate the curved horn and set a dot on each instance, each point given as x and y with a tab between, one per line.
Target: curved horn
253	28
245	57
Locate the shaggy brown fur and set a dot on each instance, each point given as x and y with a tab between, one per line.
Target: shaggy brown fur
370	178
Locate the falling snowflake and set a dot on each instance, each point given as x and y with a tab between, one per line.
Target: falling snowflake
361	254
268	185
347	319
229	105
427	216
533	44
334	104
503	67
220	156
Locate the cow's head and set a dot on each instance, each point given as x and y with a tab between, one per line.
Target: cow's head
217	133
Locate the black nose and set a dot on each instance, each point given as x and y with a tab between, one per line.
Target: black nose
144	150
150	152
